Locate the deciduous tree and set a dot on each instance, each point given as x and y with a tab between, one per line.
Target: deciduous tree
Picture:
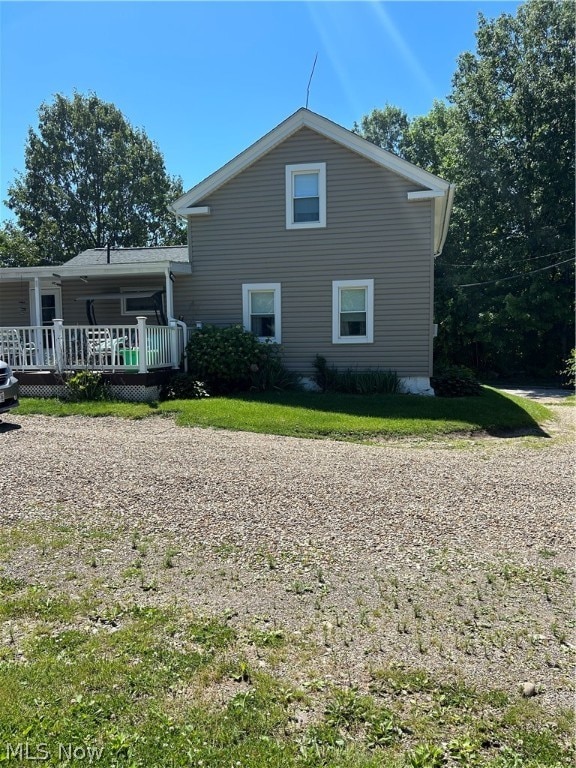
385	127
505	282
514	167
16	249
92	178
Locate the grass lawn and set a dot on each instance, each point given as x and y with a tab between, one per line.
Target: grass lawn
348	417
88	679
103	661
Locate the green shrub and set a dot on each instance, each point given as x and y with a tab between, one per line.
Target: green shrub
86	385
569	372
182	386
369	382
455	381
233	360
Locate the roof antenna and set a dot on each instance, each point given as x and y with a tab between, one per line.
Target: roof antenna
311	76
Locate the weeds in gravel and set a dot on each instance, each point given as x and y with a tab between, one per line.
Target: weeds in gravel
169	556
148	682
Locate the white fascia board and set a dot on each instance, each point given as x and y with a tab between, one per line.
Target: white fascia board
300	119
442	213
442	209
426	194
239	163
376	154
199	210
27	273
95	270
136	268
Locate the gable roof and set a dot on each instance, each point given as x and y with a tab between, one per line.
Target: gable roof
434	187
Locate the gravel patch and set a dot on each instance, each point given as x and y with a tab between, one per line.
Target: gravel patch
452	556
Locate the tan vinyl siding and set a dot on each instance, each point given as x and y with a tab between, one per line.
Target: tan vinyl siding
372	231
14	302
15	299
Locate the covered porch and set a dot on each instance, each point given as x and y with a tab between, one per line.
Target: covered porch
106	310
62	348
135	360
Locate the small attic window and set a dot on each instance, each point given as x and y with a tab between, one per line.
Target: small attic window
305	195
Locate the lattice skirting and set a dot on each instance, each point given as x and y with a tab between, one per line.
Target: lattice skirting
135	393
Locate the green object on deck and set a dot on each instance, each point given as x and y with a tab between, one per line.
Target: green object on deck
131	356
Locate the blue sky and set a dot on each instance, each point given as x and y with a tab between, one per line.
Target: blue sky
206	79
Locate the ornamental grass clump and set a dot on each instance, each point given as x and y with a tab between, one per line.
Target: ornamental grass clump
367	382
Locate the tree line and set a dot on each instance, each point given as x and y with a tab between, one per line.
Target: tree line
505	280
504	299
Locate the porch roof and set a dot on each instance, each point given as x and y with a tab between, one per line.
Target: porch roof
94	256
101	269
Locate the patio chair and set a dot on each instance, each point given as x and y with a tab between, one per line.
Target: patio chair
102	348
15	351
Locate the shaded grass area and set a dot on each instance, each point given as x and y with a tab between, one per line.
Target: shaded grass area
364	416
339	416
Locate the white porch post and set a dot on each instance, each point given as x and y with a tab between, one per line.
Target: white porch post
169	296
58	344
38	335
142	344
37	319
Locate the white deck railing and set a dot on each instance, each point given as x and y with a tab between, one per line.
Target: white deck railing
135	348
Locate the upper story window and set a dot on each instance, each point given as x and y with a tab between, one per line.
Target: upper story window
261	310
305	195
353	311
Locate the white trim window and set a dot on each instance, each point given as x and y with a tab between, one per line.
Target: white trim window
352	311
261	310
305	195
134	305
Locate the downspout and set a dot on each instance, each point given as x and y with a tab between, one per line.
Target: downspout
176	350
180	351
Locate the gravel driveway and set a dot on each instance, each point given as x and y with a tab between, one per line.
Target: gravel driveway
450	556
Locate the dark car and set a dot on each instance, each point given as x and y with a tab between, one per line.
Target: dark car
8	388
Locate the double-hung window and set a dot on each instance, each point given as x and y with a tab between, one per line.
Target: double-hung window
261	310
305	195
352	311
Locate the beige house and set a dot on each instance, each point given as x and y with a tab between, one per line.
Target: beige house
312	237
